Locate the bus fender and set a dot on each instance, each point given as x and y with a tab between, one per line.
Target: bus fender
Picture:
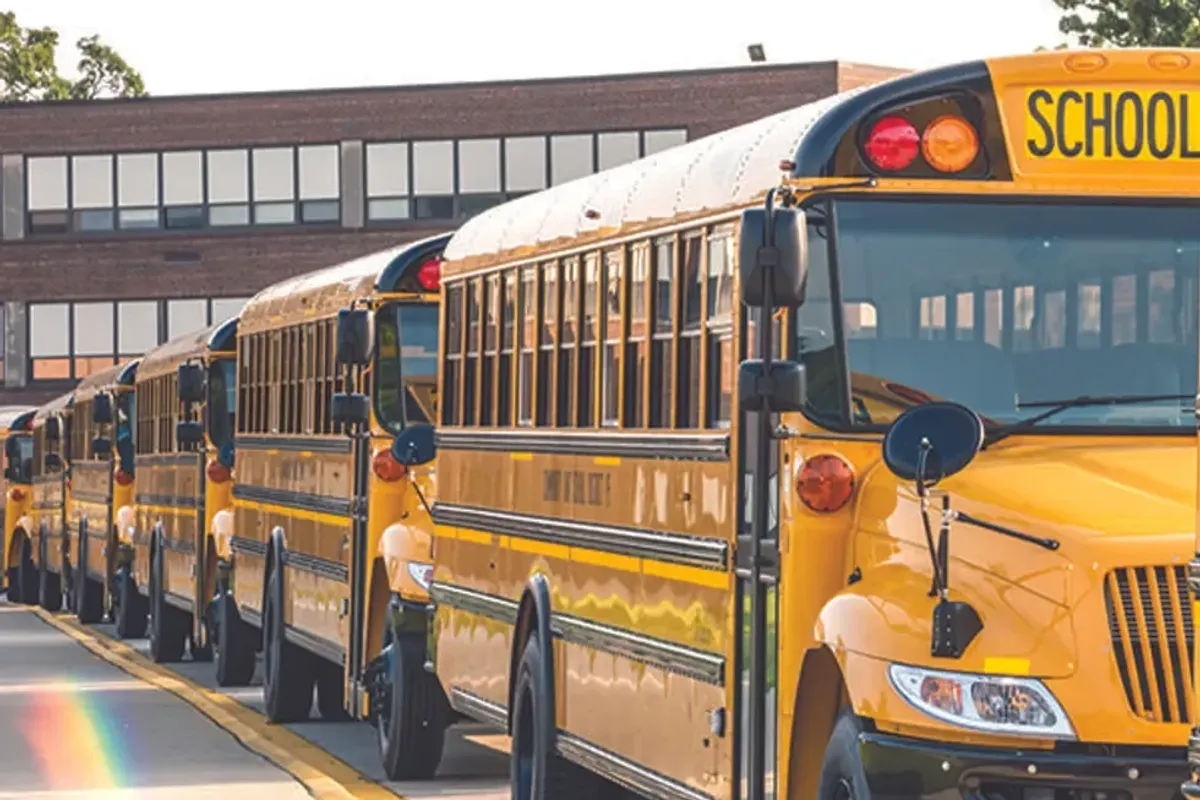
222	534
533	619
402	544
126	525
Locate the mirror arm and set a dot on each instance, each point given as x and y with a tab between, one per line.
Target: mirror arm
961	516
938	588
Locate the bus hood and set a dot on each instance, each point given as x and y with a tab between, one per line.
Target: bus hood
1112	505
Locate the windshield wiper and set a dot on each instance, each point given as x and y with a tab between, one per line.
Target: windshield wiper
1058	406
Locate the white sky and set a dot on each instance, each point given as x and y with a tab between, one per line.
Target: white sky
247	45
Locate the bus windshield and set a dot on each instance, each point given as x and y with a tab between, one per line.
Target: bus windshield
222	401
406	378
1004	307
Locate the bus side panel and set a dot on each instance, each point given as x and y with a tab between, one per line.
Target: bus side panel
90	492
180	530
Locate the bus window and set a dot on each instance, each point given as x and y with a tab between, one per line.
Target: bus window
222	401
406	369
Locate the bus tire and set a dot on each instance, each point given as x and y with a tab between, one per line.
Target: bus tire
27	578
410	713
235	645
131	607
89	603
842	773
331	691
168	632
50	590
287	669
538	771
12	590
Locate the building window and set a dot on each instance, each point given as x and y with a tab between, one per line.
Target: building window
478	175
525	164
274	186
228	187
69	341
657	141
183	189
92	192
137	190
433	179
387	181
320	183
571	157
615	149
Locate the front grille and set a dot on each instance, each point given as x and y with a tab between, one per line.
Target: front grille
1150	621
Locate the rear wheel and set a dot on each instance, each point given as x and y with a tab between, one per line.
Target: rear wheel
27	576
331	691
409	710
538	771
132	608
89	593
235	644
168	625
287	669
50	590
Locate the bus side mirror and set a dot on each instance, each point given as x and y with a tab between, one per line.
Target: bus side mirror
414	446
102	410
53	462
101	447
353	337
191	383
787	255
783	386
189	433
930	442
53	429
350	409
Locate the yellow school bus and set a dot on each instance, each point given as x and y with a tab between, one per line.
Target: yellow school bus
184	445
15	422
676	548
50	487
101	483
330	546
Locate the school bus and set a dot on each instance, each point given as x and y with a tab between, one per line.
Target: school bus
330	544
49	489
676	548
185	457
101	484
15	422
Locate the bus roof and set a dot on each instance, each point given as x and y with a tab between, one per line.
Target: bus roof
119	375
321	294
167	357
60	403
703	177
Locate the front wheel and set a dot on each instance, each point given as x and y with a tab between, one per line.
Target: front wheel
287	670
409	711
168	625
842	774
50	590
235	644
89	593
538	771
131	607
27	577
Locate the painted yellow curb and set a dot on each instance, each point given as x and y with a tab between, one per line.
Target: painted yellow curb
325	777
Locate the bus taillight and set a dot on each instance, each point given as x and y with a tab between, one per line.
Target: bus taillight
430	275
893	144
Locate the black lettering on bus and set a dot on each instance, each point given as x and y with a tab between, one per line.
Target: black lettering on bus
1035	113
1185	130
1129	105
1092	122
1159	149
1070	151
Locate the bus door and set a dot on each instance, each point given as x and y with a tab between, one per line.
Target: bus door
771	262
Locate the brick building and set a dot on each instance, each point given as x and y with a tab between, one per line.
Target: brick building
128	222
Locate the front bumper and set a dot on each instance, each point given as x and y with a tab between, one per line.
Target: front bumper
899	768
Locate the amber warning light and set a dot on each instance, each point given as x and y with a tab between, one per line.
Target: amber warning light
949	144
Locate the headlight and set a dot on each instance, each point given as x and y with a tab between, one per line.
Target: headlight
421	573
1020	706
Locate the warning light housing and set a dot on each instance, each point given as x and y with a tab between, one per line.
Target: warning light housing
825	483
429	275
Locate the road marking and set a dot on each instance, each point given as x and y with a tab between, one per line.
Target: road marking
325	777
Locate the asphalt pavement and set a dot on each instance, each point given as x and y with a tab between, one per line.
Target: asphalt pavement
76	727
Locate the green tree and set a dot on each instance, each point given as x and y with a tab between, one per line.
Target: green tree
28	70
1131	23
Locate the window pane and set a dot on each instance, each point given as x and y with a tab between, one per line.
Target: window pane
387	169
319	174
229	215
93	329
570	157
47	179
274	213
657	141
137	327
92	181
48	329
433	167
320	211
182	183
618	148
388	209
228	176
137	179
185	217
479	165
525	163
138	218
94	220
186	316
224	308
274	174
